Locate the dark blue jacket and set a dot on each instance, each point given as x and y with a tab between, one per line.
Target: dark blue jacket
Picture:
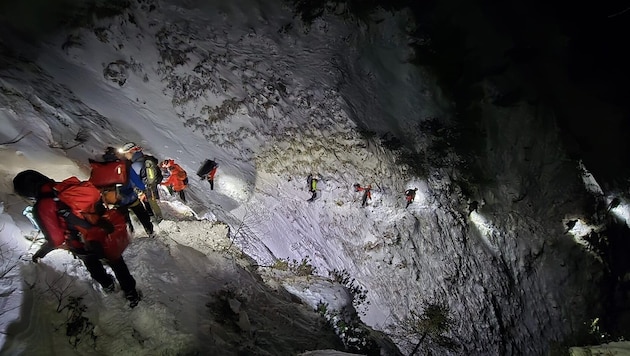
127	192
137	169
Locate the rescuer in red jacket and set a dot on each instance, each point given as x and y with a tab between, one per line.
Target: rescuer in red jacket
177	181
84	233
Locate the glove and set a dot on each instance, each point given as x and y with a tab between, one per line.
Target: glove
107	226
43	251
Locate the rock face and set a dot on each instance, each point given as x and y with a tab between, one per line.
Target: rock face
515	282
117	72
523	87
513	275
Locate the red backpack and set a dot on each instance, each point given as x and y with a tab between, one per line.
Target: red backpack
107	174
81	197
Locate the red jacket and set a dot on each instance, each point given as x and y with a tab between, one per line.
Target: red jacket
368	190
45	213
212	173
55	228
177	178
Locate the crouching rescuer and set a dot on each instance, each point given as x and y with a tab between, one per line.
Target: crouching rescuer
72	216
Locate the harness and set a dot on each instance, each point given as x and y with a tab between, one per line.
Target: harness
73	223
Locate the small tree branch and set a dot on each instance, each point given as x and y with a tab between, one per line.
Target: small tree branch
415	349
16	139
80	138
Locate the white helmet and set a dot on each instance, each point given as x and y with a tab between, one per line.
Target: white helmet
129	147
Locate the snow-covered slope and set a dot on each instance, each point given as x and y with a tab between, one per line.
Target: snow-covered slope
273	99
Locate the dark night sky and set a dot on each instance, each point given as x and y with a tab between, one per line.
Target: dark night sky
570	57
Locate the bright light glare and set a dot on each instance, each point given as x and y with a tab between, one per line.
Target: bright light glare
234	187
580	229
484	226
490	236
589	181
481	223
622	212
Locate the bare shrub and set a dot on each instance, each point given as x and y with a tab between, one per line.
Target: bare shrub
81	137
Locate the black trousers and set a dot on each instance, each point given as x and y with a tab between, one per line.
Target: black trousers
143	216
97	271
141	213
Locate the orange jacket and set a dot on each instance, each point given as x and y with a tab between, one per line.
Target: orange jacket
177	178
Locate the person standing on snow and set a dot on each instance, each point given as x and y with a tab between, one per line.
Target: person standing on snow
84	232
147	169
410	195
210	176
312	186
177	180
126	197
367	192
207	171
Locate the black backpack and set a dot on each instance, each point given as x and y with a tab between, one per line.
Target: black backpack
205	168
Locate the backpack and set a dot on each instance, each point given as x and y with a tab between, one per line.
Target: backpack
206	168
80	197
108	174
153	173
